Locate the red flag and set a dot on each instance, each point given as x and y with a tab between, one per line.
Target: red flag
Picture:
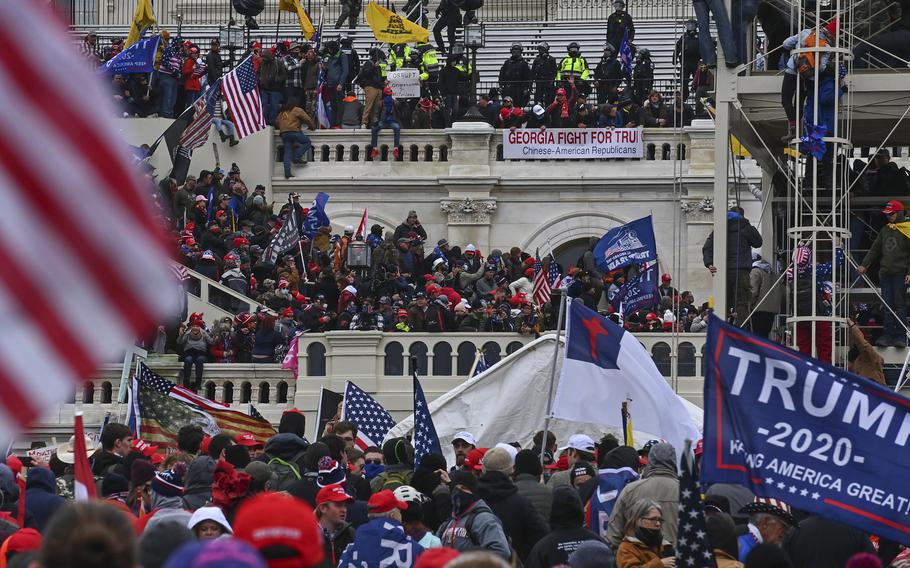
84	483
117	275
362	228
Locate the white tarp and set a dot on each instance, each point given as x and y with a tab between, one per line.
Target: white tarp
508	403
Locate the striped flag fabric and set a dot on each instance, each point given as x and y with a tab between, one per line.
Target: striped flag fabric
554	277
323	102
123	290
541	283
241	96
84	482
362	227
372	420
164	407
197	133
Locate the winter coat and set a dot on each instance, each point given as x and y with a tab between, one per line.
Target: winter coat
650	113
336	69
868	362
567	534
761	280
272	73
741	239
235	280
321	240
199	344
41	499
633	553
334	544
520	520
478	528
659	484
540	495
820	542
521	286
516	69
199	483
892	249
724	560
104	462
617	25
380	542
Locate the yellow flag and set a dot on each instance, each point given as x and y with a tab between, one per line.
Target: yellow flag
389	27
143	18
294	6
903	227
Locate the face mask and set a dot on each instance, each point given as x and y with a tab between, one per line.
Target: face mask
651	537
371	470
461	500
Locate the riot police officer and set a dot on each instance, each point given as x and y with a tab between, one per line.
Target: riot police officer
608	76
515	76
642	76
543	70
575	66
618	24
686	55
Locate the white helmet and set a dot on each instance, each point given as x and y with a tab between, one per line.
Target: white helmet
408	493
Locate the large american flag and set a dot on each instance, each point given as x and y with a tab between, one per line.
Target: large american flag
692	547
163	407
197	132
123	290
553	274
372	420
425	439
541	284
241	96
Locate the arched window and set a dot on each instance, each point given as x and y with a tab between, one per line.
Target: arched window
685	362
339	153
106	392
513	347
419	351
491	353
315	361
246	393
661	355
210	390
263	393
88	393
227	396
394	359
428	153
466	353
442	359
443	153
282	396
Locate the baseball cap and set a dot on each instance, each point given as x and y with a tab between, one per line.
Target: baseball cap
277	523
893	206
497	459
580	442
333	494
465	437
385	501
474	459
247	439
580	469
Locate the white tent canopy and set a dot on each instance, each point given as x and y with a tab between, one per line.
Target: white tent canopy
508	403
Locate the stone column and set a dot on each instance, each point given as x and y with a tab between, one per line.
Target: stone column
697	216
701	146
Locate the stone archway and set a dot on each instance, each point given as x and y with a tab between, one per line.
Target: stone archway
341	219
562	232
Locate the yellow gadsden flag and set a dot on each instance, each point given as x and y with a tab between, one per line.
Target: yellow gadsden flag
294	6
389	27
142	19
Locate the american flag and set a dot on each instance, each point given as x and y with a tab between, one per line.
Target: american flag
425	439
179	272
125	290
541	284
241	96
553	274
372	420
323	101
692	547
481	363
164	407
197	132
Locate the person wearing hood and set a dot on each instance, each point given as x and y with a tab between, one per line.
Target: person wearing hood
285	453
199	483
428	481
659	483
643	545
528	481
473	524
618	468
742	237
765	296
41	499
521	522
398	457
567	532
209	523
167	498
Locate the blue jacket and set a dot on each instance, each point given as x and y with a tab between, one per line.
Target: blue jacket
41	499
336	69
381	542
746	543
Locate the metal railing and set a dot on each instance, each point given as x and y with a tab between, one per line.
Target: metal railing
89	13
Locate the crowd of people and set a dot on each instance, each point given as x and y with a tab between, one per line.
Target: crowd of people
288	503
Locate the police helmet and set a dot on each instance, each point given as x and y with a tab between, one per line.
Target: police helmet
573	47
609	48
691	25
517	46
543	47
644	53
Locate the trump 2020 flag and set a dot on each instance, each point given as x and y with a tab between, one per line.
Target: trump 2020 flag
316	217
137	58
639	292
632	243
605	365
425	439
790	427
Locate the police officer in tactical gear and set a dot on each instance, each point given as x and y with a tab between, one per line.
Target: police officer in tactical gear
608	76
642	76
686	55
574	66
618	24
515	77
544	69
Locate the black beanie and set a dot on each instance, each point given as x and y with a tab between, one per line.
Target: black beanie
114	483
526	461
465	478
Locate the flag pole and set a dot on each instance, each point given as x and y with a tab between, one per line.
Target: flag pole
277	26
546	424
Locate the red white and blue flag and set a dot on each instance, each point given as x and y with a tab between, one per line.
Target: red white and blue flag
372	420
118	285
323	102
241	96
83	482
541	283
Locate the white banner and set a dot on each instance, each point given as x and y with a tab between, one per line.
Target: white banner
405	83
572	143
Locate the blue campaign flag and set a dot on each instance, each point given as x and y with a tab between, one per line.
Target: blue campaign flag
632	243
316	216
639	292
625	54
137	58
425	439
795	429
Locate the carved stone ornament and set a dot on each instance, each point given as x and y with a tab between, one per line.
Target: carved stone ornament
469	211
706	206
